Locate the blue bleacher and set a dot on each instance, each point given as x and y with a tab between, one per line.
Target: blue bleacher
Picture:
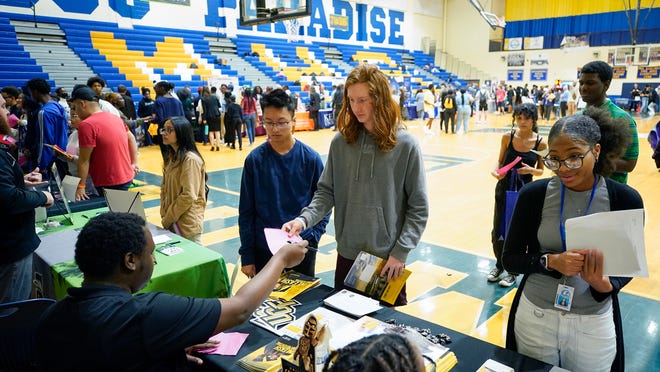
16	65
144	38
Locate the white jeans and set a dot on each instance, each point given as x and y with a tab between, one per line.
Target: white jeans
571	341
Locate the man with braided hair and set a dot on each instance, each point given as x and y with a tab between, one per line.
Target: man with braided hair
383	352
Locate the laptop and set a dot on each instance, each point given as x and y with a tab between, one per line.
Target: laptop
124	201
67	209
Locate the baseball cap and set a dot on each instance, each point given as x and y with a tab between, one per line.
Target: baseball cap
85	94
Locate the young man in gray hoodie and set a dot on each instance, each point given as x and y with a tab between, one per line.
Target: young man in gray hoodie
374	178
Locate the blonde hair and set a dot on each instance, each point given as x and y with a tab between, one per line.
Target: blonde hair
386	112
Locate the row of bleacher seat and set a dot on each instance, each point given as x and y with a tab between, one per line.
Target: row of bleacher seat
112	53
16	65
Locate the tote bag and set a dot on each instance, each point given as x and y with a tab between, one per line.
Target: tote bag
511	197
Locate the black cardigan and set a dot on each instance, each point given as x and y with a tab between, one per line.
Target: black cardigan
522	251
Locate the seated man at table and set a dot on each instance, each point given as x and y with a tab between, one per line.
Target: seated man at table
102	326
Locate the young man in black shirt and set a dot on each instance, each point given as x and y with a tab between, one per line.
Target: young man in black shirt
102	326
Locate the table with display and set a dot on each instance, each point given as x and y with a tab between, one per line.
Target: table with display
196	271
470	352
325	118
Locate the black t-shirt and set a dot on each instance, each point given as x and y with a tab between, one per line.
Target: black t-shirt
104	328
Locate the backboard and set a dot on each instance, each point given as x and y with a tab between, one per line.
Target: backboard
255	12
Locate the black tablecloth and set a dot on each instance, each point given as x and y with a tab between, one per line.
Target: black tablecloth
470	352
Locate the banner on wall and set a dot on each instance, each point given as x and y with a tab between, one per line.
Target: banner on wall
538	59
514	75
573	42
515	59
540	74
513	43
619	72
534	42
648	72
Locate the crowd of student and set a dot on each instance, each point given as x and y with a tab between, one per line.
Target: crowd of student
374	180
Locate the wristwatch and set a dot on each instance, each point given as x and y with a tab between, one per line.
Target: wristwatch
544	262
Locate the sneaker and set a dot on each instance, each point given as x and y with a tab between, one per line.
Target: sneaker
494	274
508	280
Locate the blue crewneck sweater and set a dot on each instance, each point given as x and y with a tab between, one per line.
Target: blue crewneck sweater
274	188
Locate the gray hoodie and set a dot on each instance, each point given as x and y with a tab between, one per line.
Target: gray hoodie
379	198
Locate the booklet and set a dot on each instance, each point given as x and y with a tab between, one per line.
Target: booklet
333	320
292	283
267	357
364	276
352	303
274	314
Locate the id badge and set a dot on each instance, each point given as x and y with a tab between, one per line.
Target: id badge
564	298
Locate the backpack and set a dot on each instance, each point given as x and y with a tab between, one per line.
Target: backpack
448	103
482	98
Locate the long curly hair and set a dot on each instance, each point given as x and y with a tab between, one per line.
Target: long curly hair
386	111
596	125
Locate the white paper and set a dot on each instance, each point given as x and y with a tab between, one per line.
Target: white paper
618	234
352	303
69	187
277	238
161	238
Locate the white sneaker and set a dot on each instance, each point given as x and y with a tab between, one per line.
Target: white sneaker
508	280
494	274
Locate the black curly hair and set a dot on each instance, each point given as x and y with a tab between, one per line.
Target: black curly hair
104	241
596	125
95	79
529	110
382	353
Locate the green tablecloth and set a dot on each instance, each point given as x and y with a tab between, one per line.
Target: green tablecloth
196	272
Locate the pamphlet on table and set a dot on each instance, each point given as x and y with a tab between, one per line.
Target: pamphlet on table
365	277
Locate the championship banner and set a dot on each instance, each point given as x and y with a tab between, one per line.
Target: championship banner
514	75
534	42
619	72
514	43
648	72
538	74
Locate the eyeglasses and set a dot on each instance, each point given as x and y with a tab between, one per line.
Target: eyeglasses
166	130
573	162
279	124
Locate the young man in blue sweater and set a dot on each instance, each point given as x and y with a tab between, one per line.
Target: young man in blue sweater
279	179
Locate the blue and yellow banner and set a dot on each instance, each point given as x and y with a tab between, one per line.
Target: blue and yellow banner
648	72
515	75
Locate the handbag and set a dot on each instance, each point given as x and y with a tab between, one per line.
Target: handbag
510	199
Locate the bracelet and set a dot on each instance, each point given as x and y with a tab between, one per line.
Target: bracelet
303	221
81	186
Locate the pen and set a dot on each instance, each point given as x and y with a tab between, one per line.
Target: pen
308	248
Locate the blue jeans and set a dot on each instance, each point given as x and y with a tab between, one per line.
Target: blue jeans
462	119
250	122
16	280
122	187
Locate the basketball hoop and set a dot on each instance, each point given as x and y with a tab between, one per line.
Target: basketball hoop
292	27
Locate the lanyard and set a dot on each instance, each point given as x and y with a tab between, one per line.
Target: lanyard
562	228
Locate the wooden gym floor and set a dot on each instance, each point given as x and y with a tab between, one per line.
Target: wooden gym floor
448	285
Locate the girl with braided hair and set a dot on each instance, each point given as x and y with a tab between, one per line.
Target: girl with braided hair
383	352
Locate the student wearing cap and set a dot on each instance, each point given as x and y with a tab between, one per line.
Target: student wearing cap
104	145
